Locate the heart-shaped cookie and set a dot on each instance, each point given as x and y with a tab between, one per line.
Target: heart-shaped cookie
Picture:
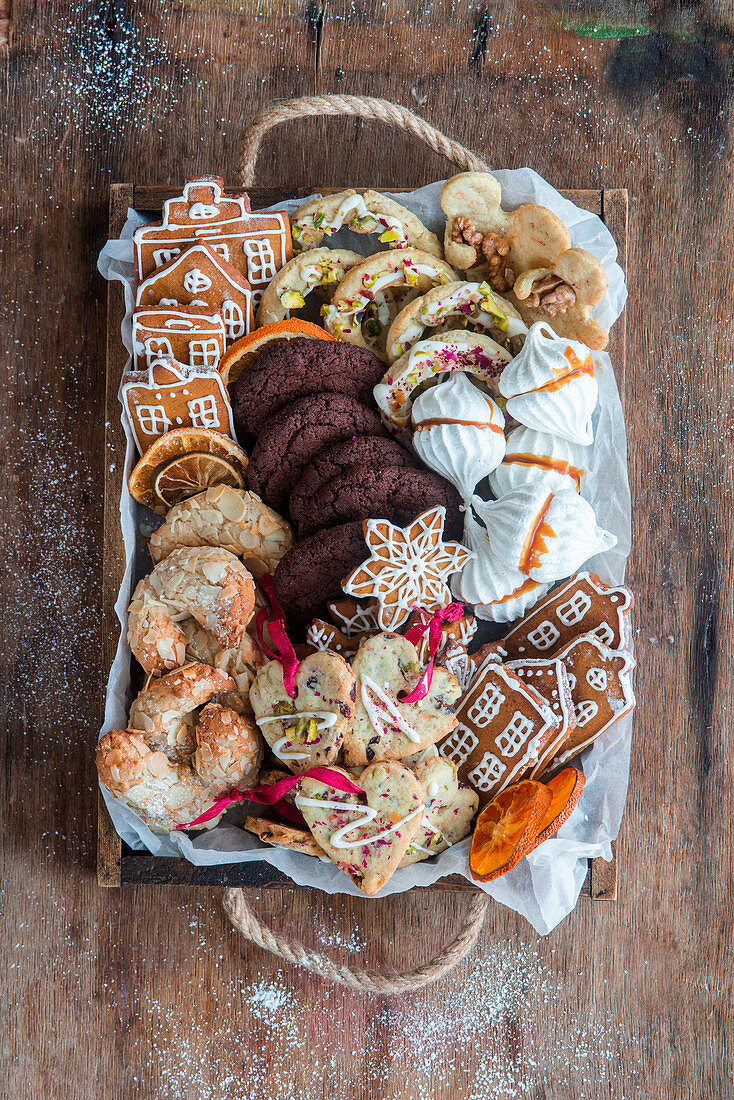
305	731
366	835
384	727
449	812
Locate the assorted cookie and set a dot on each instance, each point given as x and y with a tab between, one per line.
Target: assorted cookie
320	511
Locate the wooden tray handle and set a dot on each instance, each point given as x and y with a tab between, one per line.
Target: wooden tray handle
358	106
366	981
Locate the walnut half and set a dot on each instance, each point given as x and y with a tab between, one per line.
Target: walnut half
494	248
550	295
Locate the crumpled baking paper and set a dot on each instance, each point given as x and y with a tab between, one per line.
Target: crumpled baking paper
544	887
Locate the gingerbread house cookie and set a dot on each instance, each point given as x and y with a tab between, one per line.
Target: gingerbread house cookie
504	728
582	605
201	277
170	395
550	679
195	337
257	245
601	687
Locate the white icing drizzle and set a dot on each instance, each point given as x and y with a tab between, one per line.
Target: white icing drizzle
427	754
325	719
336	840
367	685
278	751
432	789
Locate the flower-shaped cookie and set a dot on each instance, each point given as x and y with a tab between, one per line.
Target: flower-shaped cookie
525	254
372	292
384	726
408	567
306	731
287	293
369	212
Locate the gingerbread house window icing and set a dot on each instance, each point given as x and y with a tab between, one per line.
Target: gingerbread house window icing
170	395
196	339
256	244
202	279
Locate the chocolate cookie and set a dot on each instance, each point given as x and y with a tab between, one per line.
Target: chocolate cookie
393	493
312	571
292	438
368	451
285	371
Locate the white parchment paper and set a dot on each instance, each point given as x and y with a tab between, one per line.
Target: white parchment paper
544	887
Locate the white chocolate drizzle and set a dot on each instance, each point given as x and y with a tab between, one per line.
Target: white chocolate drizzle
337	839
367	685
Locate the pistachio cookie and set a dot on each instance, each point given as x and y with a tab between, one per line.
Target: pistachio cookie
385	727
305	731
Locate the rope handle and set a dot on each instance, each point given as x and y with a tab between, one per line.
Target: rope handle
358	106
253	929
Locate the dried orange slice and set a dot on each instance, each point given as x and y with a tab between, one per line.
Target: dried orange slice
183	477
243	351
174	444
565	789
506	828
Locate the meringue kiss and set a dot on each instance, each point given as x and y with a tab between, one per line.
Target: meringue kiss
550	385
544	535
458	432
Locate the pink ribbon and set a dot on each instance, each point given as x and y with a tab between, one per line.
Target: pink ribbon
433	625
276	792
284	651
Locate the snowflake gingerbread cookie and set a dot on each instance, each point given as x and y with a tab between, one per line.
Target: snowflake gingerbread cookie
201	277
256	245
504	729
169	395
408	567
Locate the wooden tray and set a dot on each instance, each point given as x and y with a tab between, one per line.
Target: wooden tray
117	864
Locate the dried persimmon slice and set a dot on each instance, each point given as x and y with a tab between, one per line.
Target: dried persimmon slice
565	789
506	829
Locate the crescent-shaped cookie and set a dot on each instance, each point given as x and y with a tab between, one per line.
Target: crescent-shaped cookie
287	292
369	212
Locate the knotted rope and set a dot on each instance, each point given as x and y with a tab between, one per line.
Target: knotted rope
358	106
365	981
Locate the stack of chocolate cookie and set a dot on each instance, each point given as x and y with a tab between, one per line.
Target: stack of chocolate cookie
321	455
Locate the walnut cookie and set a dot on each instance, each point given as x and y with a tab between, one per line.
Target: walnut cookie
369	212
308	730
384	727
525	254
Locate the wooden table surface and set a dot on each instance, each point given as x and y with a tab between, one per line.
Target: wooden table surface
145	992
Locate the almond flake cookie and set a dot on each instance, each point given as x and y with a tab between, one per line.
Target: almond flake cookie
231	518
366	835
287	293
369	212
372	293
384	727
450	810
308	730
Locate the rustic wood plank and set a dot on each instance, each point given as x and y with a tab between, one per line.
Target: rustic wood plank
637	997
